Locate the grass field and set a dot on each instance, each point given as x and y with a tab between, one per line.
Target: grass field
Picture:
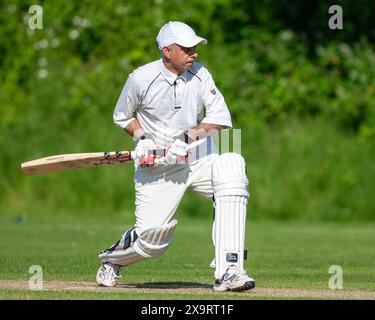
294	256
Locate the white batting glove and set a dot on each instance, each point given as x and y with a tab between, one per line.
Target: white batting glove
175	150
142	147
178	148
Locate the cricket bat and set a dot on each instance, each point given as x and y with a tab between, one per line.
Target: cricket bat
62	162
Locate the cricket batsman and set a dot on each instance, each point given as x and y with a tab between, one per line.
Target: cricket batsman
173	104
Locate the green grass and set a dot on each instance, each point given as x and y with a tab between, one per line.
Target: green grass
281	255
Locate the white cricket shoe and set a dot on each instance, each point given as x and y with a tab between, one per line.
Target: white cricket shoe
107	275
234	279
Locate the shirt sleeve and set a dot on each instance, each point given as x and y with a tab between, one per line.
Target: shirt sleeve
216	109
127	103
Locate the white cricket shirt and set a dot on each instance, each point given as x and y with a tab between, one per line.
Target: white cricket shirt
166	104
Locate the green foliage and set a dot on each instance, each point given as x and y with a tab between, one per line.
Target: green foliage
59	86
309	170
92	46
273	81
308	19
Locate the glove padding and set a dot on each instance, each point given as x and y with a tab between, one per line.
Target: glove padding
176	151
142	147
146	160
178	148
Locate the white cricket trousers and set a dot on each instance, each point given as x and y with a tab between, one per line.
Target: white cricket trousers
159	190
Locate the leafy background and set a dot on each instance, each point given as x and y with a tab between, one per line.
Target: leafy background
302	94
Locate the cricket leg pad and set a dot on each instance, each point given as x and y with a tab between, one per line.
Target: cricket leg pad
230	186
131	248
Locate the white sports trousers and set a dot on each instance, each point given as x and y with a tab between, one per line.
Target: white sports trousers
159	192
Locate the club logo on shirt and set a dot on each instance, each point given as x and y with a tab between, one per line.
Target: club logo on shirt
213	91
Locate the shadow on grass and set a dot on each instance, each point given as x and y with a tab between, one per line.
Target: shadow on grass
169	285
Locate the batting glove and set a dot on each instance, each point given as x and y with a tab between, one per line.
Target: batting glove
177	148
142	147
176	151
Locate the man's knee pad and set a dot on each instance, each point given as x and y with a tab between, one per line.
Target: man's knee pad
230	186
154	242
151	243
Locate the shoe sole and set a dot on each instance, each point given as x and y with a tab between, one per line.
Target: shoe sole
104	286
246	286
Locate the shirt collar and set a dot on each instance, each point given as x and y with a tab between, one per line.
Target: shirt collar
170	76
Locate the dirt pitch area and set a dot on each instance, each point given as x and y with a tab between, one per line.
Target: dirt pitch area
198	289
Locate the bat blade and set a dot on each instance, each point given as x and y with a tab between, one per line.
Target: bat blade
72	161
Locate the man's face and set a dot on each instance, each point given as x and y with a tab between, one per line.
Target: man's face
181	58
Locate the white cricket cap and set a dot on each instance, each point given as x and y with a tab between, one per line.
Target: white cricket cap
180	33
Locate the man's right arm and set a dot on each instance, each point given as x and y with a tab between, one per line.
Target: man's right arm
135	130
124	114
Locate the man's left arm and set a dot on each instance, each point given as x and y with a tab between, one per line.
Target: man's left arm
203	130
217	115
